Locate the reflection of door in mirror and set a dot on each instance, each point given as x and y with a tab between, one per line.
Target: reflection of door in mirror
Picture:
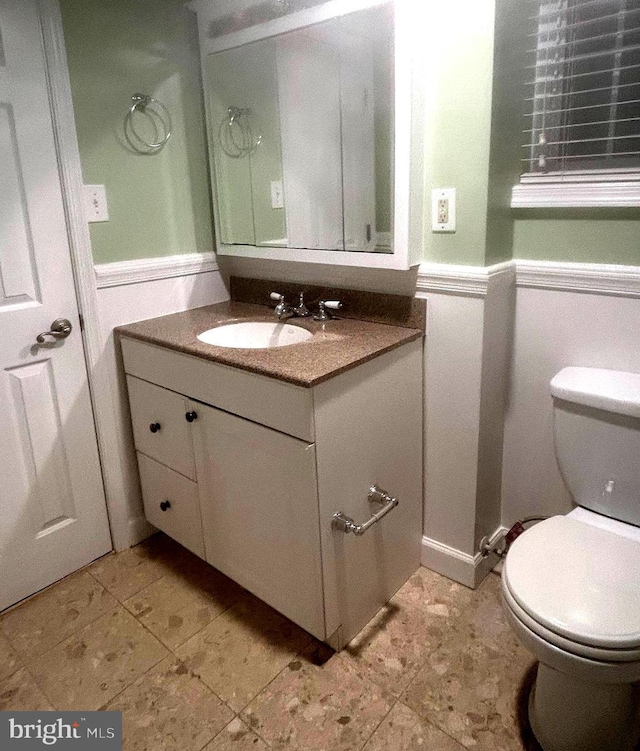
301	128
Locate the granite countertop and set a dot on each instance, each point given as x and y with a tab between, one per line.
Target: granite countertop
337	345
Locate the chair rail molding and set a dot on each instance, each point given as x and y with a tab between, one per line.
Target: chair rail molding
473	281
151	269
567	276
594	278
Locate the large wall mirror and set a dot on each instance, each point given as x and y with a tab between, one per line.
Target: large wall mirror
302	121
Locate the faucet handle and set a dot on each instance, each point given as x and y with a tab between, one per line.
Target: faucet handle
323	309
277	297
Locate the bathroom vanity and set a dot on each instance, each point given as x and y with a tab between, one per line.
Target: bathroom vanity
245	456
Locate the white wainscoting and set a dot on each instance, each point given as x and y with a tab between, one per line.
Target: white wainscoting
128	292
566	314
469	312
580	314
491	352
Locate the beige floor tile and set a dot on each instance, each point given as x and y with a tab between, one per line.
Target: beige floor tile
53	615
237	737
179	605
439	595
239	652
124	574
484	614
92	666
9	660
403	730
396	643
472	687
311	707
19	693
168	709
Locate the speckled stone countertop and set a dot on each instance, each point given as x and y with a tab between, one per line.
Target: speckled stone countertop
337	345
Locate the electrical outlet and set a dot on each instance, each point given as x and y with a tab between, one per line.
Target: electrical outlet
443	210
277	195
95	197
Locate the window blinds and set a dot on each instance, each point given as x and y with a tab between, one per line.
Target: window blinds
583	96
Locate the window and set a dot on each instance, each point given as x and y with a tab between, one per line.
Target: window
582	132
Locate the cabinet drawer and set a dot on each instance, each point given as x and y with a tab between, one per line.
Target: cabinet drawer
160	428
171	503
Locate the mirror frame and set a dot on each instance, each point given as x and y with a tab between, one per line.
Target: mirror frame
408	175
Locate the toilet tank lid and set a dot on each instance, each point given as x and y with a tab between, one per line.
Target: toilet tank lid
608	390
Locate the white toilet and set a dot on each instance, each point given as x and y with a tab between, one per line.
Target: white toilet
571	584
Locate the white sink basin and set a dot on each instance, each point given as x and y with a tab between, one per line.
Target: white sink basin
255	335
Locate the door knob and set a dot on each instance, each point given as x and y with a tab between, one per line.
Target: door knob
191	416
165	505
154	427
60	329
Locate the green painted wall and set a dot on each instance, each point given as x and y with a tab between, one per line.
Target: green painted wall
582	236
473	135
585	235
158	205
509	73
459	35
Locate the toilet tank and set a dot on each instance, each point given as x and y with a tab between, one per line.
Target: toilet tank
596	425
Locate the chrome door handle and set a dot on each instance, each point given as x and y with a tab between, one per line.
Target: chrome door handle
346	524
60	329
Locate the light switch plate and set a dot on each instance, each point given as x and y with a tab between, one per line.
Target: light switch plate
277	196
95	202
443	210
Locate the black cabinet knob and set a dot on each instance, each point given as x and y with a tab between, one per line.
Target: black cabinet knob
154	427
191	416
165	505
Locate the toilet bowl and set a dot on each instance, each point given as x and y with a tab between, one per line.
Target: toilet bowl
571	584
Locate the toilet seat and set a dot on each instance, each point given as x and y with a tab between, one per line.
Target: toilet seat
573	584
567	645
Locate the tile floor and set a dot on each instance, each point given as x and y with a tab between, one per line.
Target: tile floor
195	662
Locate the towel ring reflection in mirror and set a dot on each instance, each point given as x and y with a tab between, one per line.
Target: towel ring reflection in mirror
235	134
157	114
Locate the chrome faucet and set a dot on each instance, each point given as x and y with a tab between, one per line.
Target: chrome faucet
283	309
301	309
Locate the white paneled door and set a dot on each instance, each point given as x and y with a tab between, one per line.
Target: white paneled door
53	516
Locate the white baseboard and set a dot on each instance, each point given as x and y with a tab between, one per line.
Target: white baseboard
139	529
150	269
466	569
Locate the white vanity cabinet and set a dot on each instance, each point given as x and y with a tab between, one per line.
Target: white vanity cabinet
253	470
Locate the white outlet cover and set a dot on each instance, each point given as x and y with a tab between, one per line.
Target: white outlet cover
95	203
448	195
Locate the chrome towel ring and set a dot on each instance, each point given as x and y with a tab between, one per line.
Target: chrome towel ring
158	112
235	134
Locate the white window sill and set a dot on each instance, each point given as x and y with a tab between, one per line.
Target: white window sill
586	190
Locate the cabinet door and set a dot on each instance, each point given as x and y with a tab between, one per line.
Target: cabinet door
160	427
259	504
